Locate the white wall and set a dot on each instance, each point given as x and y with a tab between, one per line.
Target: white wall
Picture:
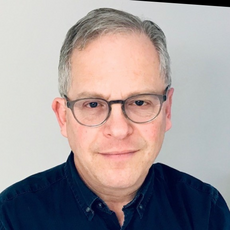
31	35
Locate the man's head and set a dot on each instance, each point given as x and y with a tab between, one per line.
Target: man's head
103	21
109	56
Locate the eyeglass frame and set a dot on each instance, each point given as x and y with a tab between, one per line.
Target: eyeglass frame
162	99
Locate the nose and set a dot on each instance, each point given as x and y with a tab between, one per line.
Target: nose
117	125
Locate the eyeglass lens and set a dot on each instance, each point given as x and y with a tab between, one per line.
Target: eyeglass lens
139	109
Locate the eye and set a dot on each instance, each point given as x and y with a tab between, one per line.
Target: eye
139	103
93	104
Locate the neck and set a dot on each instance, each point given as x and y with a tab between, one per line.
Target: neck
116	201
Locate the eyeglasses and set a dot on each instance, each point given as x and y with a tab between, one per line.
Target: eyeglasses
141	108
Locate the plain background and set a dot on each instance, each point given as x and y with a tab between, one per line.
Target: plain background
31	35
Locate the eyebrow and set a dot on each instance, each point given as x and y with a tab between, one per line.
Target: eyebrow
90	95
100	95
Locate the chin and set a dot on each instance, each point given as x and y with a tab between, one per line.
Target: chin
120	180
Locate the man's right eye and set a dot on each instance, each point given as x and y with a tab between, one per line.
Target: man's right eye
92	104
139	103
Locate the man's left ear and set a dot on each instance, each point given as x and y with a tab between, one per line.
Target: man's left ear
168	110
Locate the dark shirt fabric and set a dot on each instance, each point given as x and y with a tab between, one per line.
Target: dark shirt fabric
57	199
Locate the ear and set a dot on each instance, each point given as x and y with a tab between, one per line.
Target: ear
168	109
59	109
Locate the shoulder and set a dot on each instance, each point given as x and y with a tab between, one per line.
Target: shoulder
190	197
34	183
183	182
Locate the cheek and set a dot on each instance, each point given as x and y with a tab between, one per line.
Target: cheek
154	131
77	135
153	134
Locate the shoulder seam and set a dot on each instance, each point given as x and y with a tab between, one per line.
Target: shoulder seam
192	182
33	188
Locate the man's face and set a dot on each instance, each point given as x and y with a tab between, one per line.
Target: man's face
119	153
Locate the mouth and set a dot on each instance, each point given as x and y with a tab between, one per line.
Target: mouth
119	154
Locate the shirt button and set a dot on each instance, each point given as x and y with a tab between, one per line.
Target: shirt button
100	205
140	206
88	209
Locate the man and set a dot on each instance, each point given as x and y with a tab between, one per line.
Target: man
115	107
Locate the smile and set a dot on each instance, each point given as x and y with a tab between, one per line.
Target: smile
118	154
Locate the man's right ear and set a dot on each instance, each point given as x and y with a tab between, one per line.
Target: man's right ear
59	109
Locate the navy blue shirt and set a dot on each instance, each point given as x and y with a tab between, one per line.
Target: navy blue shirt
58	199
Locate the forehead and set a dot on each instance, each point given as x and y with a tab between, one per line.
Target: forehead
116	65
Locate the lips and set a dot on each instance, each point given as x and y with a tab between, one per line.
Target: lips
118	153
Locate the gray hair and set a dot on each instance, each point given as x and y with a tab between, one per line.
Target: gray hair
106	20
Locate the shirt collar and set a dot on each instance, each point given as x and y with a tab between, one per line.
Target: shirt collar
144	194
83	195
